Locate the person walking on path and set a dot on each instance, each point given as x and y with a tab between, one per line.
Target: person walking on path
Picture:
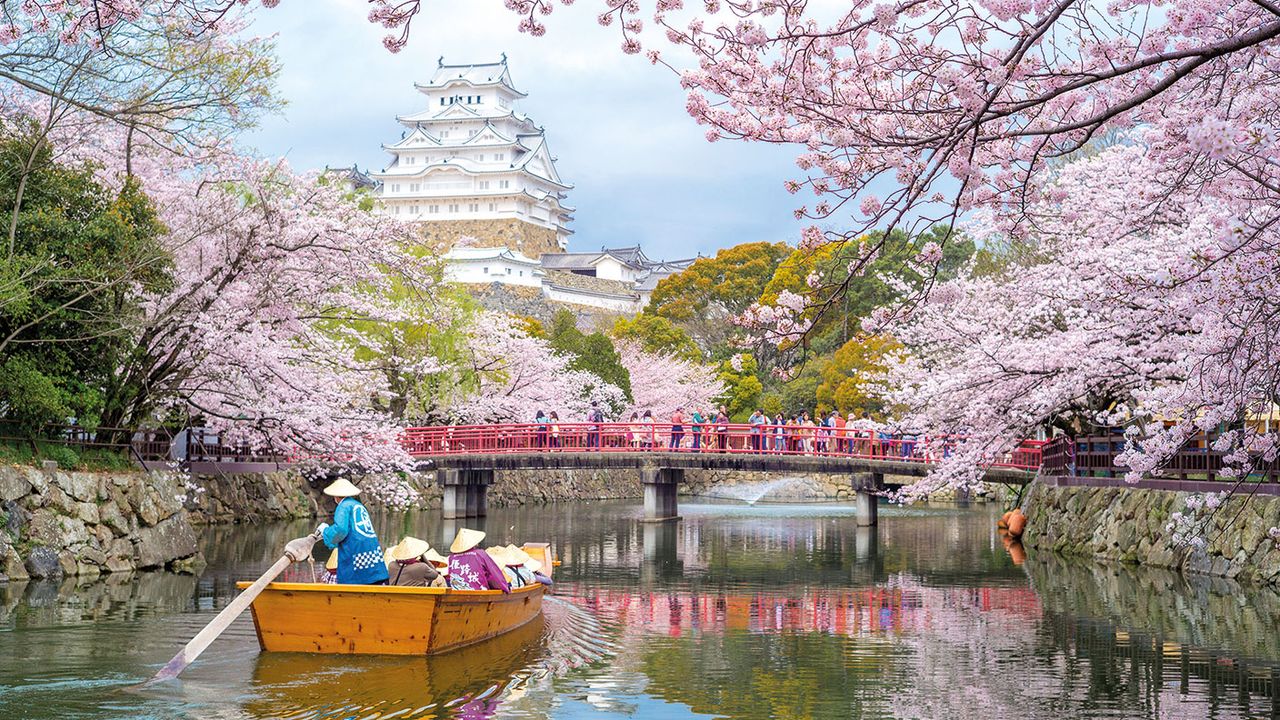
837	421
698	421
677	429
722	429
541	420
554	421
360	556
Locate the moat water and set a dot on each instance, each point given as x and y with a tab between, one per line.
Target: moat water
737	611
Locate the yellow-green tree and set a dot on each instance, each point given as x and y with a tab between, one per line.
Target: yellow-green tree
848	376
704	297
656	335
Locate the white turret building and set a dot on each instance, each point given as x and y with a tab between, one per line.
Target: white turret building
478	178
470	165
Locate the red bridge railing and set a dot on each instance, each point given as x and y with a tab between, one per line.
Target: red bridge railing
709	438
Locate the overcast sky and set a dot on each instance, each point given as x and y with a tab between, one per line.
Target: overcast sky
641	169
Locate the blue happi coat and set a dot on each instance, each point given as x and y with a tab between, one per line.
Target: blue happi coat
360	560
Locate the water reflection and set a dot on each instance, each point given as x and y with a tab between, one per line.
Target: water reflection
735	612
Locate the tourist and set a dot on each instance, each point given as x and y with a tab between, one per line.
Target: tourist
779	433
646	430
698	422
470	567
412	568
594	416
504	561
634	429
677	429
554	421
722	429
838	422
541	420
758	420
352	535
329	575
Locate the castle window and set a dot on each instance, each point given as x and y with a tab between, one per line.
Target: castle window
486	271
493	207
484	184
508	271
395	187
504	184
473	207
433	208
500	156
453	207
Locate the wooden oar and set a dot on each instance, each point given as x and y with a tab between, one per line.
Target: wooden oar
295	551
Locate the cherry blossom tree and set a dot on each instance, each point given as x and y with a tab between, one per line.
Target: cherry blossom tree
1147	304
662	382
514	375
281	284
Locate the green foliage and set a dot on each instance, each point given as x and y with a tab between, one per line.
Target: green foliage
656	334
66	458
847	376
772	404
77	253
592	353
705	296
742	387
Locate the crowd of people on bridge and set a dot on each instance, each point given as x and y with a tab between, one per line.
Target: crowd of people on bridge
357	557
711	430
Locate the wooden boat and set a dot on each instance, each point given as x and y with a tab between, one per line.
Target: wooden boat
311	685
388	620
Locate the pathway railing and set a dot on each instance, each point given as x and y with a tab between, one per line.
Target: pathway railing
730	438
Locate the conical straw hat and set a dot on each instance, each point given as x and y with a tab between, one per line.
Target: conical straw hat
436	557
465	540
499	555
519	555
341	487
332	562
410	548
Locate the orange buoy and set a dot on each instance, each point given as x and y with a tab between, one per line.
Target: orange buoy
1017	523
1003	522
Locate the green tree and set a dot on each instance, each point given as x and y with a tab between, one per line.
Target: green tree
704	297
838	314
847	377
742	387
75	258
656	334
592	353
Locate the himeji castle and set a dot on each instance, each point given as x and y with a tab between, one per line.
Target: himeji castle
479	178
471	165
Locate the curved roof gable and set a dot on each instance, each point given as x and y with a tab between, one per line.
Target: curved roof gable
474	75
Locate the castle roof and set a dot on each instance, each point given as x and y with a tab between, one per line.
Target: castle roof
475	75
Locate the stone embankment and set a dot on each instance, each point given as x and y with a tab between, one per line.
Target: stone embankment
55	524
1128	525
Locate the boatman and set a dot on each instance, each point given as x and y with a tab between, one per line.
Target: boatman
360	560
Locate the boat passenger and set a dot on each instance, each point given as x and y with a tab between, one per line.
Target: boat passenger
412	568
470	567
528	568
441	564
329	576
505	561
360	558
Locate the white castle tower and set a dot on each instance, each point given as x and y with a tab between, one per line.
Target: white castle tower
469	165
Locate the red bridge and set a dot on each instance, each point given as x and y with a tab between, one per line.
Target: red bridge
466	456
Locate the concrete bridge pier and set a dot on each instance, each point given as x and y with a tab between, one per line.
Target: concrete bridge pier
466	492
866	507
660	488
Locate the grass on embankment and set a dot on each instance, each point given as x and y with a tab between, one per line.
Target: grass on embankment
32	453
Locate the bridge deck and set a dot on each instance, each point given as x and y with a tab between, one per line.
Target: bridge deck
538	460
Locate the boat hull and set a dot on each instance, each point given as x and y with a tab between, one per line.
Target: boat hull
386	620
